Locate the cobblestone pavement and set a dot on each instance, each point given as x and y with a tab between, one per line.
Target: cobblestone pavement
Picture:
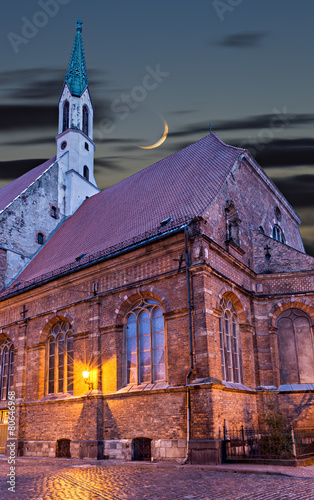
110	480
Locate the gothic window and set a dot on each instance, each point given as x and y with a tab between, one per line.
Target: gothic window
40	238
86	172
295	345
145	343
60	359
66	113
85	119
231	358
278	234
6	369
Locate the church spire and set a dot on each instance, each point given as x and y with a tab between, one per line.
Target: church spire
76	77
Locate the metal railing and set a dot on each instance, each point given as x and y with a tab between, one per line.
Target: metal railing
282	443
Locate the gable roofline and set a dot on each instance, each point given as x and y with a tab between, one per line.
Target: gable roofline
271	185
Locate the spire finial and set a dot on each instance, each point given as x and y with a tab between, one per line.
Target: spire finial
76	76
79	25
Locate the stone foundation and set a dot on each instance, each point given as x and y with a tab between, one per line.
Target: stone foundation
36	449
169	449
120	449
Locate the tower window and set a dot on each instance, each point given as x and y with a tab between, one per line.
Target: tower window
66	113
40	238
86	172
85	119
54	212
63	145
86	146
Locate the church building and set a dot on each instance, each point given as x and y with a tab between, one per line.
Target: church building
138	321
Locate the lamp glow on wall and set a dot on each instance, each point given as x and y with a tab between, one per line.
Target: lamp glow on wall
86	377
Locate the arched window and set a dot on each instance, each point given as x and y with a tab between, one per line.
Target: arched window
60	359
7	369
85	119
231	358
145	343
295	346
86	172
278	234
66	114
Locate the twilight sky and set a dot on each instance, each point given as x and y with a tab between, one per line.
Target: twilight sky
245	66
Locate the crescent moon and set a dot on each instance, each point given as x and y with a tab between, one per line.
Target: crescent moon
161	140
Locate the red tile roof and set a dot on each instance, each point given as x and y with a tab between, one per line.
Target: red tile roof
9	192
179	187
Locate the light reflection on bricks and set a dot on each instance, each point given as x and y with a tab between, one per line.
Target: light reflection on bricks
54	480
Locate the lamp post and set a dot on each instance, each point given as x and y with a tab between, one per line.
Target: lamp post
87	380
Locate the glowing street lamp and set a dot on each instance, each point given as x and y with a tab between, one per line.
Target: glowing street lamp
87	380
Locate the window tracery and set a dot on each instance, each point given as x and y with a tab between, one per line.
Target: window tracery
6	369
145	343
60	358
231	356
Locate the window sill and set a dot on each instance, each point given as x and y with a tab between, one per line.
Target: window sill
144	387
295	387
54	397
236	385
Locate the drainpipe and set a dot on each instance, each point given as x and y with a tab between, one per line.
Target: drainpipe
188	393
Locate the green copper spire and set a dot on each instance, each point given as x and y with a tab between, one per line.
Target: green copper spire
76	76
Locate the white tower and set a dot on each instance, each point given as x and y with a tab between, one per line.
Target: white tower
75	146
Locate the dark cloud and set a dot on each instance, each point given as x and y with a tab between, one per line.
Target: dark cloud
29	116
110	163
37	83
13	169
242	40
298	190
30	142
309	247
183	112
280	152
15	117
274	122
